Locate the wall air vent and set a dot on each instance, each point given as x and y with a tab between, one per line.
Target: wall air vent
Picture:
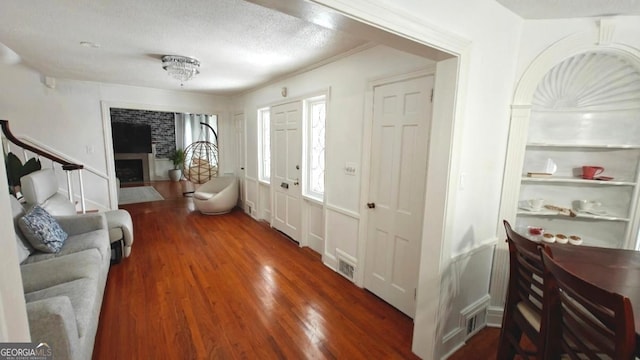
346	269
471	325
346	265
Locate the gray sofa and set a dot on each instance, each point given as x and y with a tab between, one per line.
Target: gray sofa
64	290
41	188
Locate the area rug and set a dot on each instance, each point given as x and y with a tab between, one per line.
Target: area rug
138	194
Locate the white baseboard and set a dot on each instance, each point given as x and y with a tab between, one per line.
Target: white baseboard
494	316
456	338
452	342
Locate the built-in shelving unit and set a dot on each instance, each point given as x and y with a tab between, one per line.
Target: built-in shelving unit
576	121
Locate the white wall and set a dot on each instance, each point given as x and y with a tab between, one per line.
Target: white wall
482	107
480	135
347	78
14	326
539	35
69	117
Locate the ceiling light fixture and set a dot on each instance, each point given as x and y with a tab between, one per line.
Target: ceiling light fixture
89	44
179	67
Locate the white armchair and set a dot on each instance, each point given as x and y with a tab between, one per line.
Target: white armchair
217	196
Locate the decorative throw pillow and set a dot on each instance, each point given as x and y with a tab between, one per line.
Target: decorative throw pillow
42	230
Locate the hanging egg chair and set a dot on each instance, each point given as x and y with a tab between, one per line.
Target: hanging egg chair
201	160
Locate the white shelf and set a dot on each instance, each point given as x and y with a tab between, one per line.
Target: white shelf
579	216
573	180
584	146
562	141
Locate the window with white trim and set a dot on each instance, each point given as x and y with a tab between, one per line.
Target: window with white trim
315	121
264	141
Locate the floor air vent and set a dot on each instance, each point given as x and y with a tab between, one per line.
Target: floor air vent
346	265
345	269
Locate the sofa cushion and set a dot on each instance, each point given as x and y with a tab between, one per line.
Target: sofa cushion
50	272
83	295
96	240
23	246
42	230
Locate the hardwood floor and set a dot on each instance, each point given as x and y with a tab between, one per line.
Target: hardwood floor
483	345
227	287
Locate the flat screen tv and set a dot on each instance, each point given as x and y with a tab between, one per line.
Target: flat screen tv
131	138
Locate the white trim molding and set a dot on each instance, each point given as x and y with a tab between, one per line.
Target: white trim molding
601	41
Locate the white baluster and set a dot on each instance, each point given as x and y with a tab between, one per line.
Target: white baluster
69	188
82	203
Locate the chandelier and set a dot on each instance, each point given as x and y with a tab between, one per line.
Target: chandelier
182	68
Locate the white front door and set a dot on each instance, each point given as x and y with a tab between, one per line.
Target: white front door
286	163
238	121
401	125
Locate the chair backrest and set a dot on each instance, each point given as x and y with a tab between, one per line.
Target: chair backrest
39	186
525	270
587	322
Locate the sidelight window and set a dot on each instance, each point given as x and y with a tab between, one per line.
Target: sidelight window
264	142
315	122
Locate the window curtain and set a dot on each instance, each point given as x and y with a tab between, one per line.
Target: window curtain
189	129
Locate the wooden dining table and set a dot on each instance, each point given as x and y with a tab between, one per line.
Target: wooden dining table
616	270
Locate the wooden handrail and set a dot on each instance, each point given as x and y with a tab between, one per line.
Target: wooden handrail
66	165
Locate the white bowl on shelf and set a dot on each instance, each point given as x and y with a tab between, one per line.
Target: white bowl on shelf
548	238
575	240
562	239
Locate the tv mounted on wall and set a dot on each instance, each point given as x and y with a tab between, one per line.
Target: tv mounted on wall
131	138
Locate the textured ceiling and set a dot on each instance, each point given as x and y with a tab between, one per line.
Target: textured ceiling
239	44
558	9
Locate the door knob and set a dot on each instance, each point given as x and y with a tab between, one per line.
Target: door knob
371	205
296	181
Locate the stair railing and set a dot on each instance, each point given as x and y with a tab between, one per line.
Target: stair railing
67	166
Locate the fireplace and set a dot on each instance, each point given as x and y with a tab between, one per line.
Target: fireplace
132	167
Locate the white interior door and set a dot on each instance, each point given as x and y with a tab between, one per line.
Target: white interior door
401	124
286	157
238	121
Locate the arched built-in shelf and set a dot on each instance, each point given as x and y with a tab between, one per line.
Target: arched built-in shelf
585	111
573	82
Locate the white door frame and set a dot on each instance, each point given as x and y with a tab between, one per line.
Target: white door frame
241	161
440	192
107	136
365	187
367	146
300	165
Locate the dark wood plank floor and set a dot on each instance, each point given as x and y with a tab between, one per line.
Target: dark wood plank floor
483	345
228	287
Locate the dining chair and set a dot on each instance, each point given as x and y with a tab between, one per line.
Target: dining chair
524	303
585	321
